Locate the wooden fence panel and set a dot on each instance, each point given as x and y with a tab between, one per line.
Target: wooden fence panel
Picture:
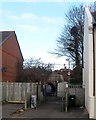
10	92
3	87
23	90
19	91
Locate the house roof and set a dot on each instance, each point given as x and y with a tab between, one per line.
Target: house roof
5	35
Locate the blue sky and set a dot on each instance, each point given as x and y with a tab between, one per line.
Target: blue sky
37	26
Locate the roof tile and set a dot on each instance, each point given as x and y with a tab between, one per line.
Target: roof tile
4	35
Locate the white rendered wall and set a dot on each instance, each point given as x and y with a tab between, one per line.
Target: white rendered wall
92	106
95	57
90	100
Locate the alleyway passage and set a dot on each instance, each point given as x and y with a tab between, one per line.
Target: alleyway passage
52	108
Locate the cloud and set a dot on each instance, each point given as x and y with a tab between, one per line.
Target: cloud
53	20
29	16
33	18
24	16
33	22
30	28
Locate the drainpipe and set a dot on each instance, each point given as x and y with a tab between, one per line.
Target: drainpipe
94	63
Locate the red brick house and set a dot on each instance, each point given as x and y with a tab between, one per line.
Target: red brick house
12	59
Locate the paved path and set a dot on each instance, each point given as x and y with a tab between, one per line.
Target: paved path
8	109
52	108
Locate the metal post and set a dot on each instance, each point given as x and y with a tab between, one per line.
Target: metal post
62	104
68	70
66	102
66	98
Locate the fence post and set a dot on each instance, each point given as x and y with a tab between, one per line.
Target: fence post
13	92
25	97
7	90
21	92
25	102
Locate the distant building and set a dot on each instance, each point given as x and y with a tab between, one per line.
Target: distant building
89	71
65	74
60	75
12	59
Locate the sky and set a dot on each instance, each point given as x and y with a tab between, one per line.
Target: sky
37	26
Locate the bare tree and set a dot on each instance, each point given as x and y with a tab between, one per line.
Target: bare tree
35	70
70	41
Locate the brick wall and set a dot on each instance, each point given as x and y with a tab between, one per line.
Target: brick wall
10	57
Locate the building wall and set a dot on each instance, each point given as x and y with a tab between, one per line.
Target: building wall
0	62
86	57
88	64
10	57
95	57
95	107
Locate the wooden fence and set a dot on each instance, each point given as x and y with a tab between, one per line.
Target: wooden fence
19	92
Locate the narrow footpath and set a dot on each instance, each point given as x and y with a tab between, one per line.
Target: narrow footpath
52	108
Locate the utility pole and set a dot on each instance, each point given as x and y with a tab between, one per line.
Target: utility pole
68	70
